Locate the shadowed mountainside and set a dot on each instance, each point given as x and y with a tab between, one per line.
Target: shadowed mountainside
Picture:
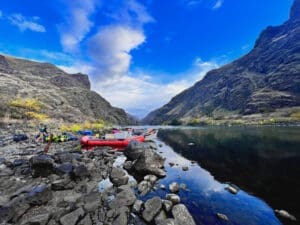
266	79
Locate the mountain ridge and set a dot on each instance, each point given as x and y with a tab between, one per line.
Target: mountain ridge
64	96
265	79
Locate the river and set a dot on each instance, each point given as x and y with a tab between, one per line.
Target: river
264	162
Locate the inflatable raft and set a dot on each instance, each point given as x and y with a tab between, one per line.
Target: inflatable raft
89	141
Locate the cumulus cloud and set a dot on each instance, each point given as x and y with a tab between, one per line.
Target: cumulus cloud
77	23
78	67
24	23
140	93
218	4
110	49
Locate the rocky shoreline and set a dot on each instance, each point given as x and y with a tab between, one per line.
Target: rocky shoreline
62	186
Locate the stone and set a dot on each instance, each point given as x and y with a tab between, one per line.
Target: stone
65	168
167	205
62	184
182	215
86	220
185	168
125	197
72	217
160	217
91	201
168	222
39	195
40	219
80	172
118	177
137	206
19	162
5	172
151	178
147	161
175	199
171	164
41	165
232	189
152	207
162	186
285	214
121	219
128	165
222	216
144	187
174	187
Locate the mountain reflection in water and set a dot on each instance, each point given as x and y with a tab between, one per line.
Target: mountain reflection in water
263	161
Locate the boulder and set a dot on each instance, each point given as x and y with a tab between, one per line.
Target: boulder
175	199
86	220
137	206
72	217
167	205
182	215
118	177
147	160
152	207
161	216
125	197
41	165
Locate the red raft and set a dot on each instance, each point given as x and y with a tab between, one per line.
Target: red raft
89	141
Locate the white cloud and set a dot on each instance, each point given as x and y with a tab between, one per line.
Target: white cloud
140	93
218	4
24	23
110	49
79	67
77	23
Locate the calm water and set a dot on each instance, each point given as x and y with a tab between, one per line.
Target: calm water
263	161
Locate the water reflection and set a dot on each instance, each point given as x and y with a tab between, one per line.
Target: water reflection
262	161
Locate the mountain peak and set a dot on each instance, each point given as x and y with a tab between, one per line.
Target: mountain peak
295	11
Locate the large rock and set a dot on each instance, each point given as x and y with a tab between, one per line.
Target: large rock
118	177
147	161
65	168
152	207
182	215
41	165
41	219
39	195
125	197
73	217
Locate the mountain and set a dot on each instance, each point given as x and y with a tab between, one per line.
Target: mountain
266	79
59	95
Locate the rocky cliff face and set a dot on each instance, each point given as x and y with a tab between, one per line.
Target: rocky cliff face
63	96
265	79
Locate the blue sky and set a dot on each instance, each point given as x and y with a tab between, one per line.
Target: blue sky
138	54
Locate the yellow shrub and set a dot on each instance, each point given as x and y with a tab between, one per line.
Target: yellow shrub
98	125
26	103
296	115
37	116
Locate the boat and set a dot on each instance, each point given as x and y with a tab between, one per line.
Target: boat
90	141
